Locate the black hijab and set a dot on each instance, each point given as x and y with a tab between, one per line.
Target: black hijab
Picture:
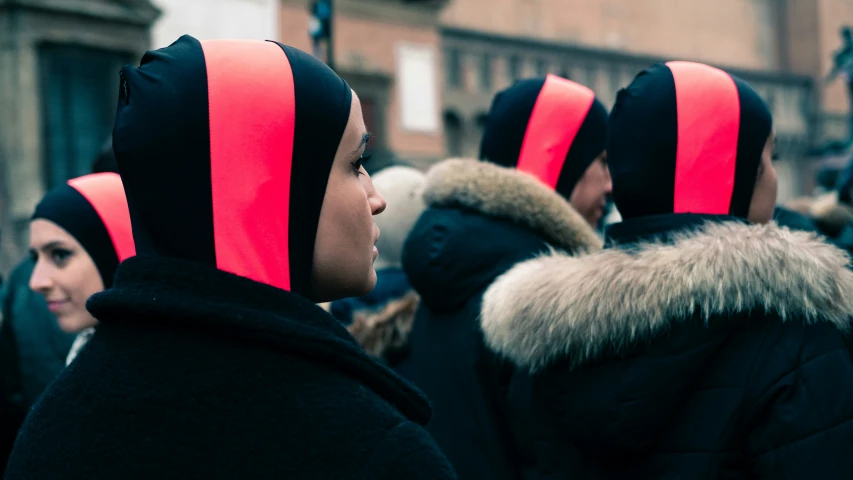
550	127
225	148
93	210
685	137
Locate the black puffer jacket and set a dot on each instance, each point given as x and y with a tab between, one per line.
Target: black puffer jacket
481	219
692	350
198	373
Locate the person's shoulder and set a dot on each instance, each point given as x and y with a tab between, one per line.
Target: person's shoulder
785	346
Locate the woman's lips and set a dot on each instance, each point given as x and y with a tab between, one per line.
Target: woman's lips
56	305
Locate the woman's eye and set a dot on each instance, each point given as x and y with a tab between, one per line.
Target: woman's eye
60	256
356	165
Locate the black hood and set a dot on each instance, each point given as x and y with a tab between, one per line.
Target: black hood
685	137
453	253
481	219
550	127
225	149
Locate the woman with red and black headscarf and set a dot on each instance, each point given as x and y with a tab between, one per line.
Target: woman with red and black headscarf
705	341
79	234
242	163
542	182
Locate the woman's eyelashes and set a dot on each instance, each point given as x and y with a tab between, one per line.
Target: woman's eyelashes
360	162
60	256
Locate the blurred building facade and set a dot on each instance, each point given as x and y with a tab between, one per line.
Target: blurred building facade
781	47
59	63
425	70
215	19
389	51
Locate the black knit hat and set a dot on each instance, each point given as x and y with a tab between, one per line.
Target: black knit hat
686	138
550	127
93	210
246	132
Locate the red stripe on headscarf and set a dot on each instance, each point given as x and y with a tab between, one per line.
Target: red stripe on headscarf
708	122
252	118
105	193
559	112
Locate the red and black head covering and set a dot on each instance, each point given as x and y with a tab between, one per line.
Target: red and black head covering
93	210
686	138
247	131
550	127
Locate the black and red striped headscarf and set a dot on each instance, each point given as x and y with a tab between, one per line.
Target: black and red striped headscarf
225	148
686	138
93	210
550	127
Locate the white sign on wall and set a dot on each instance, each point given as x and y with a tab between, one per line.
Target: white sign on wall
417	88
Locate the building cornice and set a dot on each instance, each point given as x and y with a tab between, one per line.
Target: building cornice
134	12
553	47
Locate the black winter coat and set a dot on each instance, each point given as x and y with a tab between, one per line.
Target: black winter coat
481	219
197	373
33	350
692	350
37	347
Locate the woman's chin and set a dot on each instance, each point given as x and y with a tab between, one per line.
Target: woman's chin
345	289
75	323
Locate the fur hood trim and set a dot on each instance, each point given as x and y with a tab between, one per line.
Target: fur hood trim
387	330
558	306
512	195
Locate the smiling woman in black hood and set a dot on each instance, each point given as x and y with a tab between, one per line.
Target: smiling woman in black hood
242	166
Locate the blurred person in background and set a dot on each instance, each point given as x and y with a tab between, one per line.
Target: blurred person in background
382	319
79	234
704	341
542	183
212	359
33	347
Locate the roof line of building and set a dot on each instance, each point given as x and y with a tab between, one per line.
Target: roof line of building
593	53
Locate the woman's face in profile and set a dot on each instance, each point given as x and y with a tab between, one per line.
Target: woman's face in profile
344	250
64	274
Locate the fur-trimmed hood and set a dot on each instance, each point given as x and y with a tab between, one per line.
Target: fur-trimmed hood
384	332
509	194
480	220
579	309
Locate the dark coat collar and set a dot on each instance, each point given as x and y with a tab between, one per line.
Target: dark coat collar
155	292
659	228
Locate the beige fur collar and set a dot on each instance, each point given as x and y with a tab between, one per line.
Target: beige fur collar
509	195
557	306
